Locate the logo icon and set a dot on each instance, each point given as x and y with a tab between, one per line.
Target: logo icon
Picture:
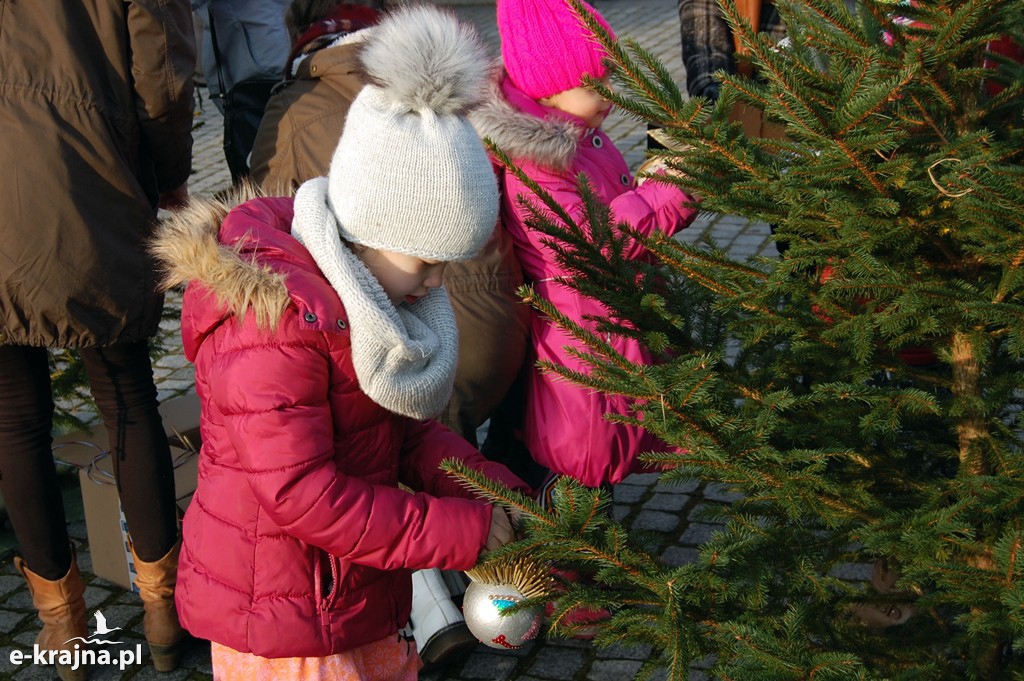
101	630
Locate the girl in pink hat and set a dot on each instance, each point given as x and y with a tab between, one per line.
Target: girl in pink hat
549	124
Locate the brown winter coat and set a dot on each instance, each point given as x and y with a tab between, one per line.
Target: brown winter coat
303	121
296	141
95	121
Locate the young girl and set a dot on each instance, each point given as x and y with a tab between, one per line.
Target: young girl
322	342
295	143
549	124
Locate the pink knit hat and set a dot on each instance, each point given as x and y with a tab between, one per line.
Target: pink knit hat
546	48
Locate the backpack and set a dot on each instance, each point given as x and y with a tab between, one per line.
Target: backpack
243	107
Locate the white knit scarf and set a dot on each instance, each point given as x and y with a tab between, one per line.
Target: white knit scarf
404	357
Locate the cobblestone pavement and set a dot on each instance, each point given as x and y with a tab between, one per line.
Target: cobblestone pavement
667	513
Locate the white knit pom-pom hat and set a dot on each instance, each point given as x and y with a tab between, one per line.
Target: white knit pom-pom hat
410	174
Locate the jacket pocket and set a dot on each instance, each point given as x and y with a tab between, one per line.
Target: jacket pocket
327	575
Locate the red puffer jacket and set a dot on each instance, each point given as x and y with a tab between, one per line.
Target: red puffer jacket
298	541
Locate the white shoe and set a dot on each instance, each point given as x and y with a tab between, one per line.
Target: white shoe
437	623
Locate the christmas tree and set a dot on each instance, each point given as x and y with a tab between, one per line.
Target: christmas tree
859	394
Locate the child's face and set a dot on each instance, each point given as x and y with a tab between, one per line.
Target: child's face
405	278
583	103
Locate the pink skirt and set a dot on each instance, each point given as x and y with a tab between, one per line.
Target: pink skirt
390	659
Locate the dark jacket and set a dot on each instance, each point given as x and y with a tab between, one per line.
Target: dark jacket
298	541
708	44
95	121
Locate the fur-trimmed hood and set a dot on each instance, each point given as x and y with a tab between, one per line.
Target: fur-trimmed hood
526	130
188	248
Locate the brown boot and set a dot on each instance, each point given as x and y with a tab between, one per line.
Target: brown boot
160	622
61	608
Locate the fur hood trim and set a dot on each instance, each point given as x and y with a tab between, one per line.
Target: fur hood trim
548	142
188	250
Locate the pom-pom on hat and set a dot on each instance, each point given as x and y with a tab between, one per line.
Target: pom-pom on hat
547	48
410	174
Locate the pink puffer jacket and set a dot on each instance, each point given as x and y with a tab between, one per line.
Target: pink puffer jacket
565	429
298	541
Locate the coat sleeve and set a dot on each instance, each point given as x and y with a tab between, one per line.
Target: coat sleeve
163	59
428	443
654	206
650	207
278	417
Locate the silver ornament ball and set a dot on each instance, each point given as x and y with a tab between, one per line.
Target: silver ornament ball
482	606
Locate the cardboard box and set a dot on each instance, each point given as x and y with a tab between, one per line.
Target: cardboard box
104	519
181	421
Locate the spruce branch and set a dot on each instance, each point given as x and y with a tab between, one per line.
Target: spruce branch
493	491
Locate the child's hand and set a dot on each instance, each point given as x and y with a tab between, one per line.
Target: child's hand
501	529
657	166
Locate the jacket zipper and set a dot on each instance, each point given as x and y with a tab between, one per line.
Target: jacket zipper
327	599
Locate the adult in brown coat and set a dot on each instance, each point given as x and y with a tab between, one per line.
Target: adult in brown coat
95	131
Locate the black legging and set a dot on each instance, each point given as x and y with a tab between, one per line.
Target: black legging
121	381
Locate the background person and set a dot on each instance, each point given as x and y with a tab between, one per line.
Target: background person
95	132
549	124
